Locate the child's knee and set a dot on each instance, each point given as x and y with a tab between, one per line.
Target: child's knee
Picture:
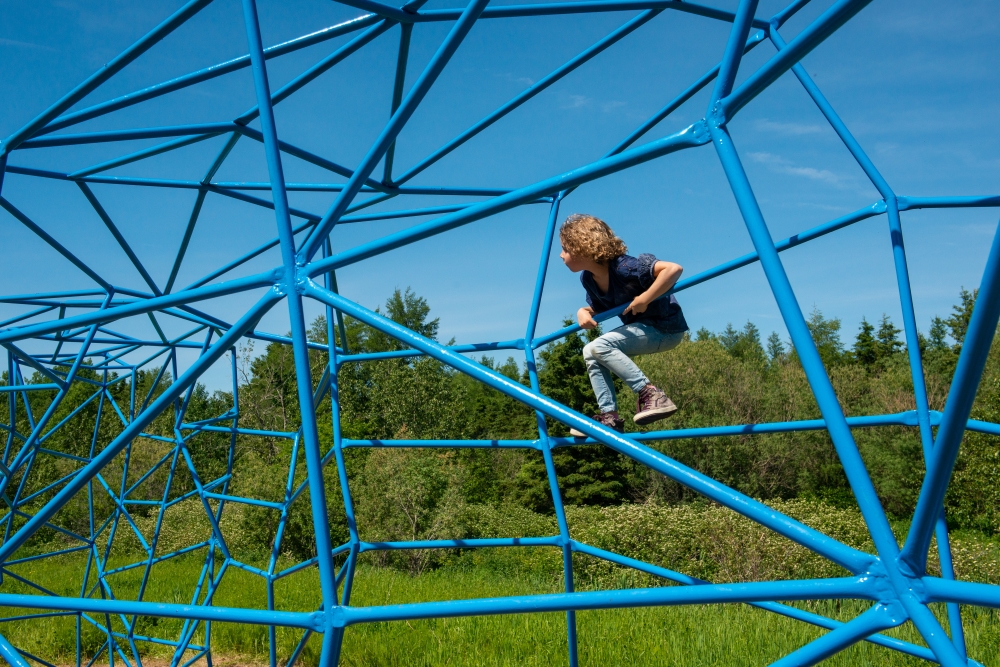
591	351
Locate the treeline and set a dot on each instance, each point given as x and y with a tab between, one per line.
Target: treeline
732	377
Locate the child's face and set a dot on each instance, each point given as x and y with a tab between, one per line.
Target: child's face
572	262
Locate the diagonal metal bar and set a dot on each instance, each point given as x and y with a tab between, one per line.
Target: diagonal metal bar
839	553
964	385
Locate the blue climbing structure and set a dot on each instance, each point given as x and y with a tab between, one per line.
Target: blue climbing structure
71	339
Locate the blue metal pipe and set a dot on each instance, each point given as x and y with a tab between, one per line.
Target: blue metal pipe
558	8
912	203
968	372
807	589
826	397
880	617
293	619
128	135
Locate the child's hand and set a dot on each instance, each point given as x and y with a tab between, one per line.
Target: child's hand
638	305
585	319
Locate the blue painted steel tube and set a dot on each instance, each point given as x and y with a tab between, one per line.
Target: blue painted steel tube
735	48
964	385
826	397
127	135
293	619
906	305
158	149
108	70
531	91
964	592
555	8
810	37
388	135
805	589
912	203
11	655
875	619
162	402
310	435
695	135
849	558
480	543
470	444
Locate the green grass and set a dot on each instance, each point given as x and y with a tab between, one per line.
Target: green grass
699	635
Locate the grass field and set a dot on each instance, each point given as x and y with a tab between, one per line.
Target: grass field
700	635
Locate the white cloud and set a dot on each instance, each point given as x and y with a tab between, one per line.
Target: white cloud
577	102
793	129
24	45
783	166
612	105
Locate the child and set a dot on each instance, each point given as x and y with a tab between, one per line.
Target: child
611	279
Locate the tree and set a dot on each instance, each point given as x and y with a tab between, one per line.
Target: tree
826	336
937	335
775	348
888	338
866	349
587	474
958	323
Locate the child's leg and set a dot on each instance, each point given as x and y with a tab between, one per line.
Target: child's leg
611	352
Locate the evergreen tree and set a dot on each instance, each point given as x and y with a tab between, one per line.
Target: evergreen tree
958	323
888	338
937	335
866	349
775	348
826	336
587	474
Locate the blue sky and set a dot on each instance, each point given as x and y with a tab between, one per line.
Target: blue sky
916	82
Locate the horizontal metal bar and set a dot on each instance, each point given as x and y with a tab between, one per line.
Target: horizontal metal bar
910	203
962	592
908	418
810	589
548	9
307	620
465	444
401	354
129	135
245	501
479	543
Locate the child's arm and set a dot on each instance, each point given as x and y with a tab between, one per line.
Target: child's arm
585	318
667	274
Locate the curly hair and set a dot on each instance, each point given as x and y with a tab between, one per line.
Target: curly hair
586	236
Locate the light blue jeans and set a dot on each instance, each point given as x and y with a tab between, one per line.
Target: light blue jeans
610	354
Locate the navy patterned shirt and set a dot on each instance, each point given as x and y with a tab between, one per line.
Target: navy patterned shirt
628	277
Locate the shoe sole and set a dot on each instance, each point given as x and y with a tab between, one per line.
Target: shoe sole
650	416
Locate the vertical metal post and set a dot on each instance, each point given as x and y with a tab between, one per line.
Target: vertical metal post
310	436
543	432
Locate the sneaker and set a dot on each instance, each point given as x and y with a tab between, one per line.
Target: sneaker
609	419
653	406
